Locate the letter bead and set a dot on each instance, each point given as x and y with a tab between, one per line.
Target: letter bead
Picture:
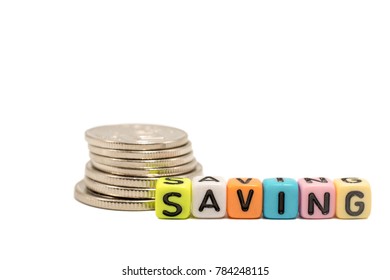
244	198
173	198
353	198
208	197
280	198
317	198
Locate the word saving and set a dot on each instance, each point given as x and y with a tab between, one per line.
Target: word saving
274	198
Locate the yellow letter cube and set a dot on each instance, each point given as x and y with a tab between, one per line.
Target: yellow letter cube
173	198
353	198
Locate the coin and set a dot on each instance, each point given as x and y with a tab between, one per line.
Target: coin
150	173
84	195
132	154
127	181
119	191
142	164
136	137
127	159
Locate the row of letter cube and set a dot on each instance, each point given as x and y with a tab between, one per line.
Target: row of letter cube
274	198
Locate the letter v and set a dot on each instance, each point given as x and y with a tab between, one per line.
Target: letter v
245	204
244	182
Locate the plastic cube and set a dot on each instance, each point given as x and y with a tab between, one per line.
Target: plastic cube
280	198
173	198
353	198
208	197
317	198
244	198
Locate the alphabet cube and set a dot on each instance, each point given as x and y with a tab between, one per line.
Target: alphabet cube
173	198
353	198
244	198
317	198
280	198
208	197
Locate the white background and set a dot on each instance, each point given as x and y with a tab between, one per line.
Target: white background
263	88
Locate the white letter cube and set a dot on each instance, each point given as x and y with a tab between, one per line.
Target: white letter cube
208	197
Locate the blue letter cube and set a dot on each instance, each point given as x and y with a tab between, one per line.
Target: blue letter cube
280	198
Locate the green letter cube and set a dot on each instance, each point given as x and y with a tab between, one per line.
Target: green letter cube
173	198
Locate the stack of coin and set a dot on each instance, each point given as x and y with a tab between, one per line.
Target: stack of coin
127	159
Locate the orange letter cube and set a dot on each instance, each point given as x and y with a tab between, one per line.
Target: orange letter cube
244	198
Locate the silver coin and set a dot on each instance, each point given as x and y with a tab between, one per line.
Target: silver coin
127	181
150	173
142	164
84	195
136	137
152	154
118	191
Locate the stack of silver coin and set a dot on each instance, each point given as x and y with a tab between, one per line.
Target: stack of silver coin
127	159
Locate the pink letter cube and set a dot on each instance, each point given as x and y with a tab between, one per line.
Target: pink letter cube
317	198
